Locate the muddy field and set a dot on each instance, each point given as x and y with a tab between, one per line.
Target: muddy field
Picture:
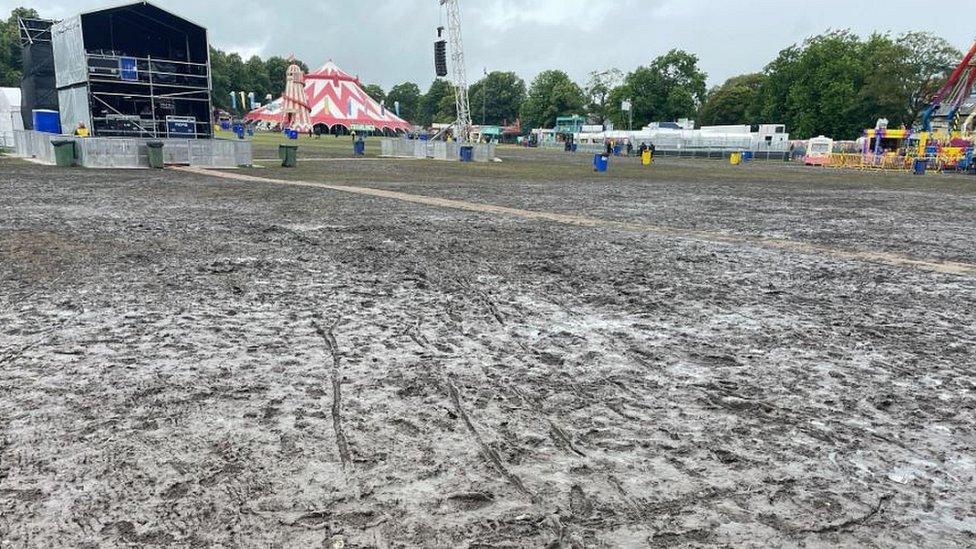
755	357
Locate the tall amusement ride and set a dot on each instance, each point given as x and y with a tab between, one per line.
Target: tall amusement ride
943	114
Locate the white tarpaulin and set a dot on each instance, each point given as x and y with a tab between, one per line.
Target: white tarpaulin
10	118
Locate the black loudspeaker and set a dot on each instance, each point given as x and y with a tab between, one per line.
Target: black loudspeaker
440	57
37	87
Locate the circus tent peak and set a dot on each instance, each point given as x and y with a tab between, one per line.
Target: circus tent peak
336	98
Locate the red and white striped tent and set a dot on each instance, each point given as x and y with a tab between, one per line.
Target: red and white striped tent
336	99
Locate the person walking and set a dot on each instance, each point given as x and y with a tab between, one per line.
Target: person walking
630	148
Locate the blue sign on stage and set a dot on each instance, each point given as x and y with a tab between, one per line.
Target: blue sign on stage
128	69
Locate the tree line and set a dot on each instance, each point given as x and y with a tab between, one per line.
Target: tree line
834	84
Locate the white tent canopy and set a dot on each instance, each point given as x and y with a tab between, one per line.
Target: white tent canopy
10	118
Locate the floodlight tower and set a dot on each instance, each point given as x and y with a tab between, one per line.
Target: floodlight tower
462	126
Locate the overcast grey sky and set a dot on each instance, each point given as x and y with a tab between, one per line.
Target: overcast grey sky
390	41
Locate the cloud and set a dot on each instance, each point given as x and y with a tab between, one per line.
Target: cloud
390	41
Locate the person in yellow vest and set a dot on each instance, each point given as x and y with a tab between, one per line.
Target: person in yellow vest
81	130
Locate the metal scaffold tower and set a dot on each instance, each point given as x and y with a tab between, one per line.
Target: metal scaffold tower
462	126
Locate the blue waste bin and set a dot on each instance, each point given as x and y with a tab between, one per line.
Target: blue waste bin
292	134
746	156
600	162
359	148
239	130
467	154
616	150
46	121
920	166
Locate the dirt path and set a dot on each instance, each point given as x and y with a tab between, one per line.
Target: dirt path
887	258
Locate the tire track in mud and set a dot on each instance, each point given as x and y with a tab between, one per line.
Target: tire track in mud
490	454
792	246
328	336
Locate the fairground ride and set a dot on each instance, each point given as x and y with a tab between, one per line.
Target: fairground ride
944	112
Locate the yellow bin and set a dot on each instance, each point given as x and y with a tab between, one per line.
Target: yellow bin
646	158
735	159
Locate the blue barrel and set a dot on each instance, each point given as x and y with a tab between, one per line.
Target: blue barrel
292	134
467	154
920	166
359	148
616	150
225	125
746	156
46	121
600	162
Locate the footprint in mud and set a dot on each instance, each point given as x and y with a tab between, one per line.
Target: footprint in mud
470	501
579	504
176	491
405	427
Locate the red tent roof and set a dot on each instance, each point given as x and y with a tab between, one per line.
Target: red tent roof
336	99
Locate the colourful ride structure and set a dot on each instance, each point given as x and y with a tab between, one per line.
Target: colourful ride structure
946	138
943	113
943	142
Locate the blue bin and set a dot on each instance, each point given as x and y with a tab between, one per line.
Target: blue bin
467	154
292	134
746	156
616	150
46	121
359	148
920	166
600	162
224	126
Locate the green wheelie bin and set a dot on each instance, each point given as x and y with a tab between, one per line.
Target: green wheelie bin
289	155
155	154
64	152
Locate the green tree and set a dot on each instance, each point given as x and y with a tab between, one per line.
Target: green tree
598	90
409	97
437	104
929	60
277	69
671	87
551	95
220	85
497	98
256	76
10	51
734	102
375	91
837	84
